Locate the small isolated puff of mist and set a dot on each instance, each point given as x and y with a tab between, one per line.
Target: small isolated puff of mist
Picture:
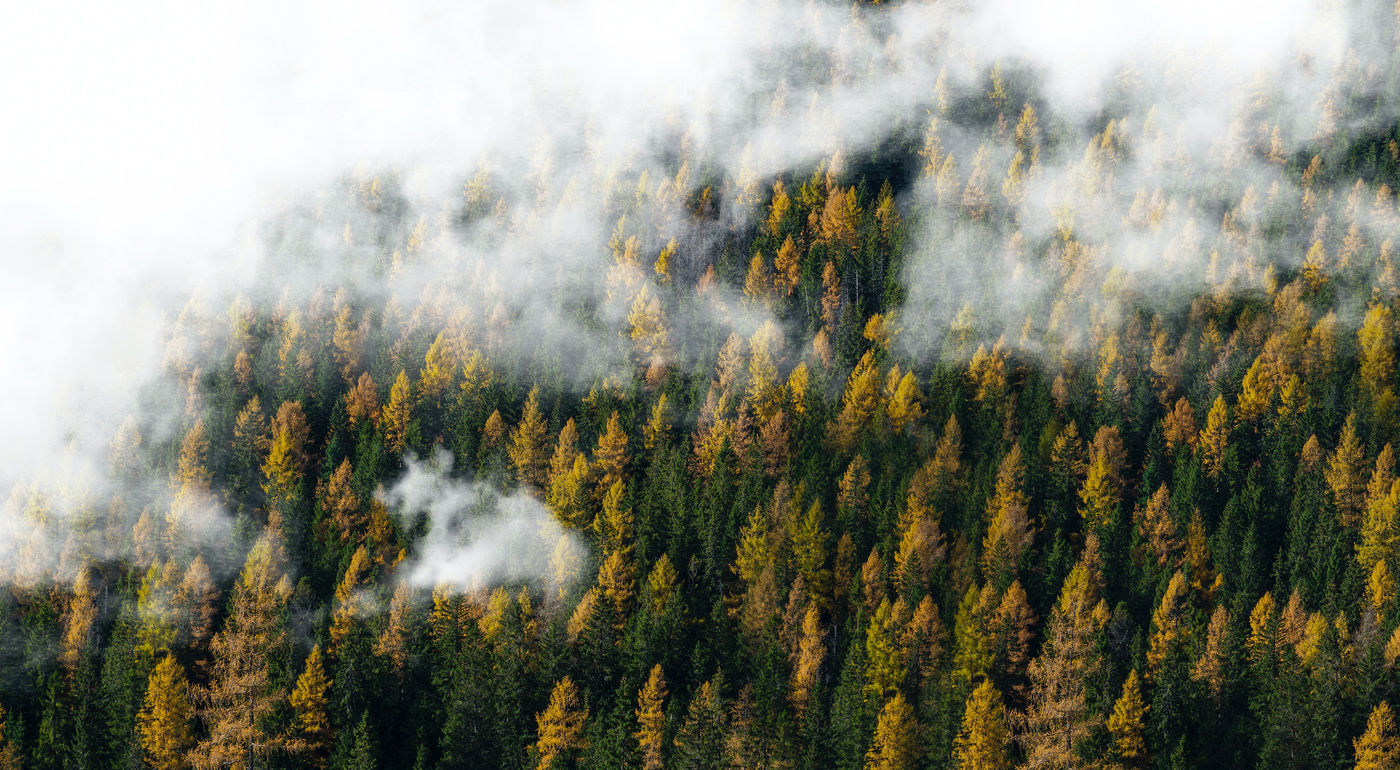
477	537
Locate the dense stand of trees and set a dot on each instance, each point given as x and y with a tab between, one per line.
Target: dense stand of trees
1123	531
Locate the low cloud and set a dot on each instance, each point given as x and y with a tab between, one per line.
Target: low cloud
476	536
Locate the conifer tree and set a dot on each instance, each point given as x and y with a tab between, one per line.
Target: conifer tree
560	725
164	724
240	694
984	741
312	732
1126	725
1379	746
396	412
895	743
527	443
651	718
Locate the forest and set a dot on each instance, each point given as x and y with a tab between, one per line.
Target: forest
1011	437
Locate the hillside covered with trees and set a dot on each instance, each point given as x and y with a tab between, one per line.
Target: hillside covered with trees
1009	437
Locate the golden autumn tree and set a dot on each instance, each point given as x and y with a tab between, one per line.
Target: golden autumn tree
1098	497
164	725
651	718
758	282
395	415
858	403
618	581
807	660
904	402
1008	524
362	401
1376	341
347	519
884	667
1346	473
348	605
196	599
1378	748
312	728
1125	725
1168	622
1209	668
1157	529
1014	631
984	740
895	745
527	449
1214	437
1179	426
1380	529
610	457
840	218
787	267
286	456
79	619
240	694
399	631
560	725
1058	720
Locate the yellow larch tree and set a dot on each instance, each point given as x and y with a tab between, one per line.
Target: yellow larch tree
984	740
527	443
1378	748
240	695
651	718
1376	343
884	666
904	403
560	725
758	282
1157	529
362	401
610	457
787	267
164	725
440	367
1214	437
1008	524
1262	644
1098	497
1125	725
806	664
347	519
1179	426
1380	529
196	599
1210	667
895	744
286	456
395	415
312	728
618	581
349	604
1058	720
1345	474
79	619
1168	621
661	584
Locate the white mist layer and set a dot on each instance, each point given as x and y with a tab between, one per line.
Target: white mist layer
476	536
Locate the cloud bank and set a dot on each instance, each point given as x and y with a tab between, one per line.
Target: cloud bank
477	537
